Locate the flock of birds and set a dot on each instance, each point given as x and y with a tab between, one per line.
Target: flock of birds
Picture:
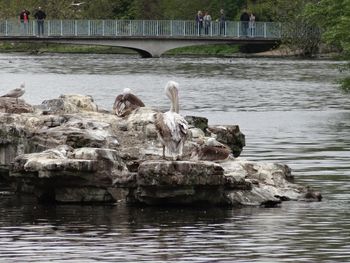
172	128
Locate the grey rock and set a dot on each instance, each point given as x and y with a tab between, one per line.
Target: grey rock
64	174
74	153
69	104
14	106
197	122
229	135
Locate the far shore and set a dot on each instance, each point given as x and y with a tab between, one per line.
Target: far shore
202	51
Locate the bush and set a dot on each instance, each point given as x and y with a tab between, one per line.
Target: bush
345	84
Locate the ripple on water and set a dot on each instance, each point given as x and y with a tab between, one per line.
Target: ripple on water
290	112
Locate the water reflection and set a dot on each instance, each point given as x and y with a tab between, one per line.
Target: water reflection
293	233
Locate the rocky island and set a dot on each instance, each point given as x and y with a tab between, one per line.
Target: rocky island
67	150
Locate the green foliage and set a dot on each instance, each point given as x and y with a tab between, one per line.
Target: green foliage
345	84
333	17
122	9
277	10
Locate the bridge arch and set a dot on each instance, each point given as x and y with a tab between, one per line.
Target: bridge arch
146	47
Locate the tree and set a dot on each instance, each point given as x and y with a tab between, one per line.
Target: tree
300	35
333	17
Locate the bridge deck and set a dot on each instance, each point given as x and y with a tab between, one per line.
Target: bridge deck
142	28
149	38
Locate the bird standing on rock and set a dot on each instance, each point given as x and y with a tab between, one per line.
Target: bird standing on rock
15	93
171	126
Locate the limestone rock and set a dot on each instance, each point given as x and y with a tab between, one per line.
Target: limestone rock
71	152
271	180
197	122
140	118
67	175
179	173
12	105
69	104
180	183
229	135
231	184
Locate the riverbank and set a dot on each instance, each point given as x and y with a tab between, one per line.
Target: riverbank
209	50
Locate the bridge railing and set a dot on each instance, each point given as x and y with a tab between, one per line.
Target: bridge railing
139	28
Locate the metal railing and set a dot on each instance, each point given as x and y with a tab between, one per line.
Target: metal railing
139	28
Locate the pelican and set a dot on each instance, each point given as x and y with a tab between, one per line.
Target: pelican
15	93
125	103
171	126
212	150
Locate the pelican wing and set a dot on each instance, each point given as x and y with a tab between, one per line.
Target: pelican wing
125	103
133	100
182	124
117	101
119	106
176	124
163	130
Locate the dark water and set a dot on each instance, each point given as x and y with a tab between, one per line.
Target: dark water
291	112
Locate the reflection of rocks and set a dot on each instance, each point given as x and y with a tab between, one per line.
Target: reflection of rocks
81	155
312	195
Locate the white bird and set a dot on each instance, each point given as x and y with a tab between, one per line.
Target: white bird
125	103
171	126
15	93
77	4
212	150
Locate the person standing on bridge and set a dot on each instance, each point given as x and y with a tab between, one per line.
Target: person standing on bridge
245	22
199	22
222	22
24	20
252	25
40	17
207	23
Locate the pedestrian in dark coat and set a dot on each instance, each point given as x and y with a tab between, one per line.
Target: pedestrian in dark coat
245	17
24	20
199	22
222	22
40	17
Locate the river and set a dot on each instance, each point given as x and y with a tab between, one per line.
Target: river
291	112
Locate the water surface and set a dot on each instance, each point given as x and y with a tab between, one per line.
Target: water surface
291	112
